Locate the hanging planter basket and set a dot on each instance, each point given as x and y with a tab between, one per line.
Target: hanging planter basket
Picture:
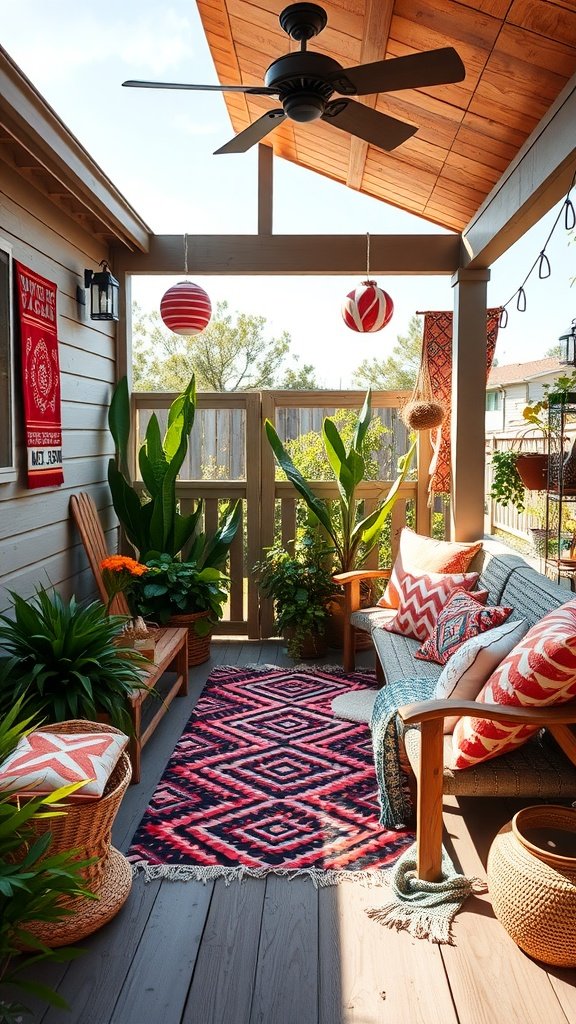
423	411
533	470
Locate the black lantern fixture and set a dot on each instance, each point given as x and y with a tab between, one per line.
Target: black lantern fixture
104	293
568	345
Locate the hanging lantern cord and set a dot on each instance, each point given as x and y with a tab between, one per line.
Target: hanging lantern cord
186	254
368	281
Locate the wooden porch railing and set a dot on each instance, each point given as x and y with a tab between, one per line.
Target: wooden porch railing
229	458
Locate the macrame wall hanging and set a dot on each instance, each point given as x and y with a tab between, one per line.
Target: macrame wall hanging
422	410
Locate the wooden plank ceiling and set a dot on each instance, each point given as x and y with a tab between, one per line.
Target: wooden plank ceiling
518	56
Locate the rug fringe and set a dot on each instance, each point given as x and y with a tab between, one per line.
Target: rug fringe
200	873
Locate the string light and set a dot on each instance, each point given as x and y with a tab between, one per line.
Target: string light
542	262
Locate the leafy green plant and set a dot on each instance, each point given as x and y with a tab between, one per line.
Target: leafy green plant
63	657
171	587
32	882
299	585
353	535
152	520
507	487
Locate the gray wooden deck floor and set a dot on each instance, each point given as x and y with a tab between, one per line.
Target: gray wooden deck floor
272	951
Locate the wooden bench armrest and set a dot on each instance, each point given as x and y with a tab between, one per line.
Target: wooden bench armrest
429	710
345	579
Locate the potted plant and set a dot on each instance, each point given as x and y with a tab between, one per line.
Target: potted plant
185	594
33	881
507	485
63	657
150	516
353	536
299	585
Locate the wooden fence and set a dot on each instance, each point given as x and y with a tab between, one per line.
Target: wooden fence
229	458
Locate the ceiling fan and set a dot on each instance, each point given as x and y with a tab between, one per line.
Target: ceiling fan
304	82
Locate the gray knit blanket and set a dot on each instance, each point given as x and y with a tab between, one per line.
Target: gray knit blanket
425	909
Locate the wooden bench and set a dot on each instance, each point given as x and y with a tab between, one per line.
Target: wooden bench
171	649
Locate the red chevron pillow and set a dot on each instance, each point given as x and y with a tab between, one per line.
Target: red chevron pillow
420	554
463	617
540	670
422	598
43	761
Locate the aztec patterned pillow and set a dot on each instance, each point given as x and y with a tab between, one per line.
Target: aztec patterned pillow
462	618
417	554
473	663
44	761
422	598
540	670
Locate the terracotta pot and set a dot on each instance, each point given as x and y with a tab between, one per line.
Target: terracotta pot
533	470
335	624
532	882
312	645
198	646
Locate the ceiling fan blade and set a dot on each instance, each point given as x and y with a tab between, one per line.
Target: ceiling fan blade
253	90
417	70
368	124
255	132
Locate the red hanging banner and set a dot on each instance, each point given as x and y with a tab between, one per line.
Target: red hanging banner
40	377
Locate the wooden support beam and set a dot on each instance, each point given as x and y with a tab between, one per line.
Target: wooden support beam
536	179
468	403
376	28
265	189
295	254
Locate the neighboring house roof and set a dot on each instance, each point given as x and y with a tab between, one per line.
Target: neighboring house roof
515	373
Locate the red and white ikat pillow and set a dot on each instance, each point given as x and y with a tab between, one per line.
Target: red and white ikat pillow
540	670
421	599
43	761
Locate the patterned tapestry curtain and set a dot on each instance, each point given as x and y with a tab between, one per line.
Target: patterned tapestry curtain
437	345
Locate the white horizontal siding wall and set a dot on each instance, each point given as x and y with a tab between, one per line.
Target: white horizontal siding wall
38	542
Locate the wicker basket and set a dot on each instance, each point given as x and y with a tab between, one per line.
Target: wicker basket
198	646
533	884
87	824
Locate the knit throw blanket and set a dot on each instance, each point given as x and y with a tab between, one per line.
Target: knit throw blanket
425	909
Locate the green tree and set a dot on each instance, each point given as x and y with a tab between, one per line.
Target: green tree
399	370
233	353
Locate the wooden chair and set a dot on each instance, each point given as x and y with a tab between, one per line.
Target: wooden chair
534	770
171	650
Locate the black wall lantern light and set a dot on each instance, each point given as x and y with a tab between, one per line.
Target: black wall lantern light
568	345
104	293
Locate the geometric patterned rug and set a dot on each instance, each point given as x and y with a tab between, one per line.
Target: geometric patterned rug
265	779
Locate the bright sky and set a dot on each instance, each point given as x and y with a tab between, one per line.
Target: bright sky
157	148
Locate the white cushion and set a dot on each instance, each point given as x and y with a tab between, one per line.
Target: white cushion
468	669
44	761
355	706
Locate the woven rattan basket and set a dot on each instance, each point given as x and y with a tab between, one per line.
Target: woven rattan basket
198	646
533	884
87	824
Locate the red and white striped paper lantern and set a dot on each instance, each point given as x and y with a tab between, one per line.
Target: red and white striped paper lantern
368	308
186	308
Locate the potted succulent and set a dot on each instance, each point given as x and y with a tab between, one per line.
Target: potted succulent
300	585
64	658
188	594
352	535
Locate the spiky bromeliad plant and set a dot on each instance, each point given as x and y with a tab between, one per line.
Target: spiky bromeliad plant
152	521
32	881
62	656
353	535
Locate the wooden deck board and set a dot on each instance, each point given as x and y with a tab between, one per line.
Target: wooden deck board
277	951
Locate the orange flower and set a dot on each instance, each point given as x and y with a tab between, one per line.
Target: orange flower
120	563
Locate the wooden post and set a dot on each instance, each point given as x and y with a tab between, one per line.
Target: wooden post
429	805
265	189
468	403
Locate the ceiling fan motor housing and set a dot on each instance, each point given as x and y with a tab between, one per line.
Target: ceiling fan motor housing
299	81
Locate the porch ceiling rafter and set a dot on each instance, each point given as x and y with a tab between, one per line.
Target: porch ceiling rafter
295	254
538	177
